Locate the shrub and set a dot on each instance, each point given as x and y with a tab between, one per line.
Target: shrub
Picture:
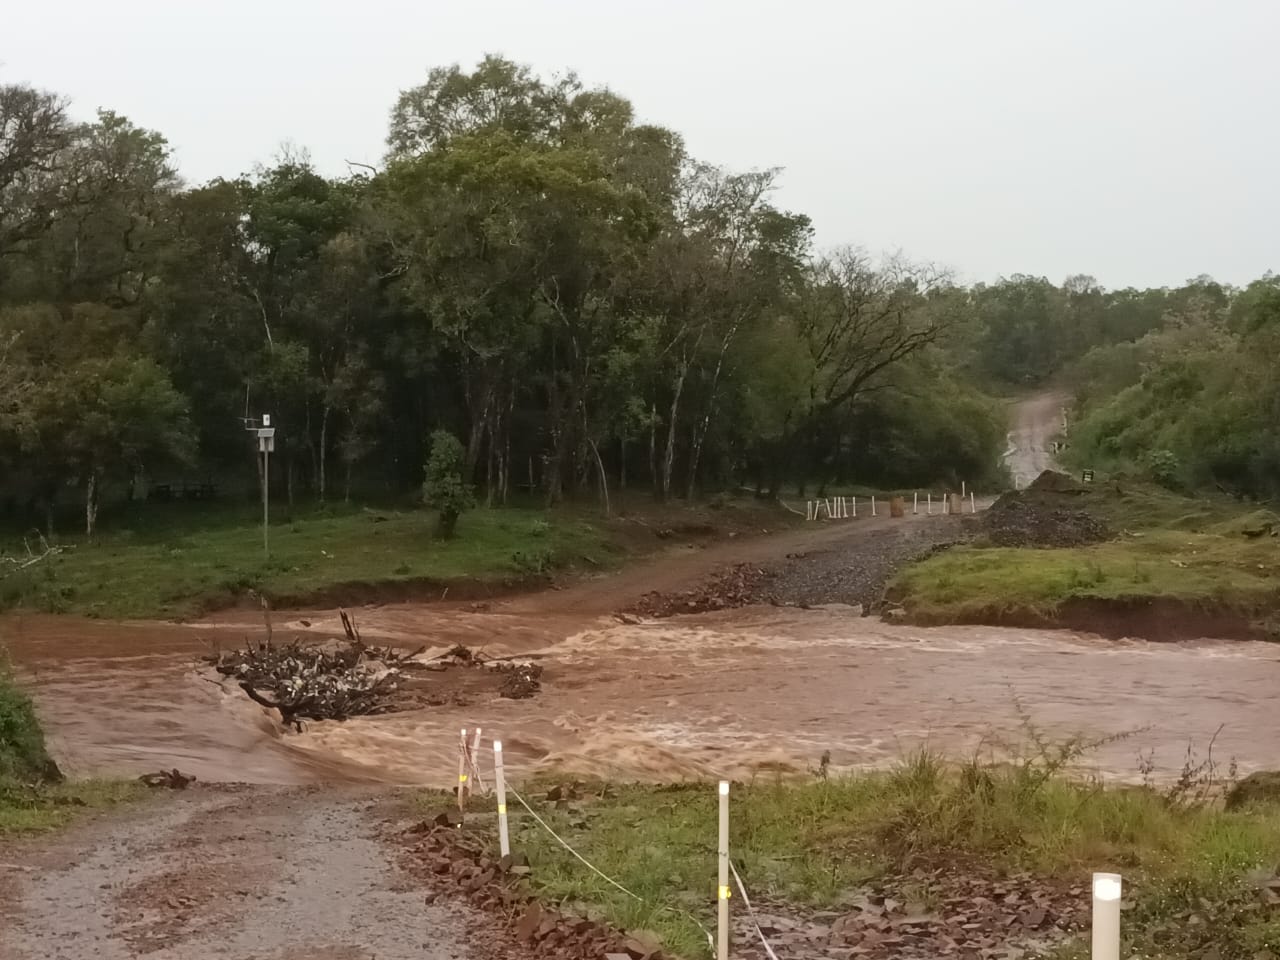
22	753
444	489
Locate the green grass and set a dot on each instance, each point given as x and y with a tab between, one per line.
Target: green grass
38	809
173	561
1166	546
810	843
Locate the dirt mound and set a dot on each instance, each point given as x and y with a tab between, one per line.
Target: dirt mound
1051	481
741	585
1049	513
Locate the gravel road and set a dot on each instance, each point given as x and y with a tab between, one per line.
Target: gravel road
857	570
227	872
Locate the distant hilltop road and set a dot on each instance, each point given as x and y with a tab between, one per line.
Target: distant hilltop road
1035	422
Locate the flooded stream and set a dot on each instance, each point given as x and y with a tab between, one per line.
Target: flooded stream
736	693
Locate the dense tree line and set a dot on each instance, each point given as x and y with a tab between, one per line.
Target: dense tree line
565	289
1195	402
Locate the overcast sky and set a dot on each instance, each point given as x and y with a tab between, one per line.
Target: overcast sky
1134	140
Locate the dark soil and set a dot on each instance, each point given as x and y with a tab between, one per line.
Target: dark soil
1049	513
853	573
456	865
1117	618
945	912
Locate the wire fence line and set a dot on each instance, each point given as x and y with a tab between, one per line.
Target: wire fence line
473	767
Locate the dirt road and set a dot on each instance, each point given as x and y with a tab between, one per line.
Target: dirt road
1036	420
267	873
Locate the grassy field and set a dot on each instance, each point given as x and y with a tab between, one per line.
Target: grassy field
806	846
1192	550
175	561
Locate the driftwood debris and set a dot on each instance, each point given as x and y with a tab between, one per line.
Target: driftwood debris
307	681
342	678
16	564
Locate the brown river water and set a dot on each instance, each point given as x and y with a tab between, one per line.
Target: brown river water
737	693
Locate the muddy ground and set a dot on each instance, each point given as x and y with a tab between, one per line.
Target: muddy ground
269	873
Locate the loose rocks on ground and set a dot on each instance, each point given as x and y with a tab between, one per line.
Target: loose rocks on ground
1051	512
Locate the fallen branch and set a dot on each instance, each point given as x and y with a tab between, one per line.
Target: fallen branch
12	565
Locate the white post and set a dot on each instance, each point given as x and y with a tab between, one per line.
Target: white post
928	504
462	771
973	503
473	761
808	509
962	490
915	503
1106	916
873	504
722	891
500	786
855	508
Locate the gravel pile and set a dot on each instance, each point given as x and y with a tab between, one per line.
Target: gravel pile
1049	513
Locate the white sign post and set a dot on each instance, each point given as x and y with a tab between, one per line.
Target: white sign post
722	891
1106	916
500	787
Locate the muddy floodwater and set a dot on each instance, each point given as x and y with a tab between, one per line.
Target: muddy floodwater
737	693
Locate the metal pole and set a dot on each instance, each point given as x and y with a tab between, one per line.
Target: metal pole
722	919
873	505
500	786
1106	916
266	495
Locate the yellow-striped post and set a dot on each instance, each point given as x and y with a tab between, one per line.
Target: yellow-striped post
463	776
722	891
500	787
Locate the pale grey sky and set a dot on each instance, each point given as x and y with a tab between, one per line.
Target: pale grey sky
1130	139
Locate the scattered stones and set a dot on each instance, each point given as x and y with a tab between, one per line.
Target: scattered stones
455	863
927	914
739	586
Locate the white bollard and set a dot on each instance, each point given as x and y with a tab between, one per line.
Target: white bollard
962	490
928	504
722	891
973	503
808	509
473	761
855	508
500	787
462	771
1106	916
915	503
873	504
